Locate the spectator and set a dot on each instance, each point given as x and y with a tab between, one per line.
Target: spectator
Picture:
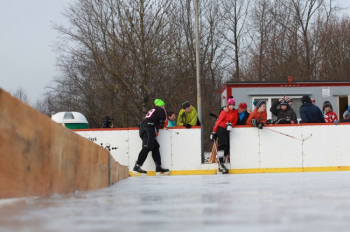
285	114
242	114
187	116
346	113
222	130
259	116
346	117
171	119
329	115
289	100
313	101
310	113
107	122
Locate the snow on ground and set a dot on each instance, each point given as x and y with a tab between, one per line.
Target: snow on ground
247	202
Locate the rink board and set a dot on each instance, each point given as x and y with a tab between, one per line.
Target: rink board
252	150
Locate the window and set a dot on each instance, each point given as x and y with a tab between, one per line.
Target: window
270	100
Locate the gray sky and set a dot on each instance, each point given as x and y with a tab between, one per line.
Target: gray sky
26	58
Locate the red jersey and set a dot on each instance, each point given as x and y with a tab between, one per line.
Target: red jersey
256	115
330	117
231	116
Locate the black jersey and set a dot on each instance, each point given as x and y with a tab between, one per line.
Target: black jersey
154	116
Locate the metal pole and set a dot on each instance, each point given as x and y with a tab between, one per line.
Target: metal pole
199	95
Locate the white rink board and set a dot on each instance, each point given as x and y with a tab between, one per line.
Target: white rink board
250	148
178	151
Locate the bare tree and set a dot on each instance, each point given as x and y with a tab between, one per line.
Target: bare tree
21	94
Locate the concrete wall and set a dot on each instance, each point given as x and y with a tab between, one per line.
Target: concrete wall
39	157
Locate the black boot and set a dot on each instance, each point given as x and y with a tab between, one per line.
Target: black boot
223	169
160	169
137	170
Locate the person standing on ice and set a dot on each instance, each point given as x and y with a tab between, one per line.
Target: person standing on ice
258	117
329	115
310	113
285	114
149	128
222	130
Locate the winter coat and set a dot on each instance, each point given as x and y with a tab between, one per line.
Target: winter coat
244	119
289	112
171	123
231	116
187	118
330	117
311	114
256	115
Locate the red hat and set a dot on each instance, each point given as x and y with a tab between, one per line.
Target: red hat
243	105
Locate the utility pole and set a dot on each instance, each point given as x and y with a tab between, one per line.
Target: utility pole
199	95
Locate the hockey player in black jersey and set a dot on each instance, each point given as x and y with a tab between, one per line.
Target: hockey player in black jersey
149	128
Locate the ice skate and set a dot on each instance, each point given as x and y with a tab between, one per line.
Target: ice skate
223	169
137	171
161	171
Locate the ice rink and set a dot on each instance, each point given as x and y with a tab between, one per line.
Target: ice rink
248	202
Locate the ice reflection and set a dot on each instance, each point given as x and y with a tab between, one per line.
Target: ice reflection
250	202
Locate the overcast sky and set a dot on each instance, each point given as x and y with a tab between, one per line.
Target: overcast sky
26	58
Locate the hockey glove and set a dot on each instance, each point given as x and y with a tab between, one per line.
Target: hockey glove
270	121
261	125
188	126
254	122
213	136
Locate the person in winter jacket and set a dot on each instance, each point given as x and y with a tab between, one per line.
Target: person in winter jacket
329	115
171	119
258	117
310	113
222	130
187	116
242	114
346	117
149	128
289	100
285	114
346	113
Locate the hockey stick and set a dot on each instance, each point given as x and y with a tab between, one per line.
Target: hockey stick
171	130
302	139
213	115
218	160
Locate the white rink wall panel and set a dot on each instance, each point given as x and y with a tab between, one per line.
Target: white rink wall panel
328	146
244	148
250	148
280	151
178	151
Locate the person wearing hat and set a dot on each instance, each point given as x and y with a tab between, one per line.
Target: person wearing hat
222	130
243	114
289	100
285	114
187	116
329	115
310	113
258	117
154	119
346	117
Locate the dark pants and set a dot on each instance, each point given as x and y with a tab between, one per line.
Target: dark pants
223	141
149	143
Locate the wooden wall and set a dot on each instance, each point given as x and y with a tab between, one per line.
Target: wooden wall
39	157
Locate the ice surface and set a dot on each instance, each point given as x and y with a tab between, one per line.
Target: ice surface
247	202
